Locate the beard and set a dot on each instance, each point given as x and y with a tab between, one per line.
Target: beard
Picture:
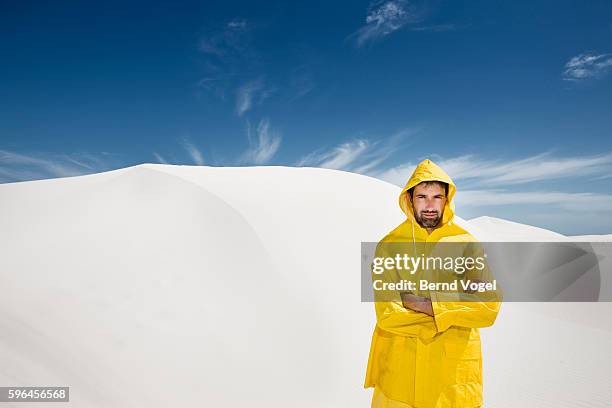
428	222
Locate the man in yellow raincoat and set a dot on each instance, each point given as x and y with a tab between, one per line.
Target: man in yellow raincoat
426	353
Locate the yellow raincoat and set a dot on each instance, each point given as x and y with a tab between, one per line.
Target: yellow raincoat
420	361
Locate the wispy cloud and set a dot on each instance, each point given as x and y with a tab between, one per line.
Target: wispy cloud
508	172
561	211
263	149
535	168
582	202
232	65
521	188
227	51
585	66
193	151
160	158
359	155
252	92
339	157
33	166
384	18
228	41
236	71
264	142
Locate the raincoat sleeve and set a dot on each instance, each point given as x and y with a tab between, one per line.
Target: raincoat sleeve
468	309
393	317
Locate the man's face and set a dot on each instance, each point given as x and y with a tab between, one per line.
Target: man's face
428	201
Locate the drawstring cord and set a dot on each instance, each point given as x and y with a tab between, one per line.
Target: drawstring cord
413	241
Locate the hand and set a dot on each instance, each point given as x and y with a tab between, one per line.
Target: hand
417	303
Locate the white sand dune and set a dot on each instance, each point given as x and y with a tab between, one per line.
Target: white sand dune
160	285
493	229
591	238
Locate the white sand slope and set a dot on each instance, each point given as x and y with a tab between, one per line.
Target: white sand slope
159	285
493	229
546	354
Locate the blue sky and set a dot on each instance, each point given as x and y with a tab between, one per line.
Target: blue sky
513	99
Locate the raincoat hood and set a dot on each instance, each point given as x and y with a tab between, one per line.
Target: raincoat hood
429	171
